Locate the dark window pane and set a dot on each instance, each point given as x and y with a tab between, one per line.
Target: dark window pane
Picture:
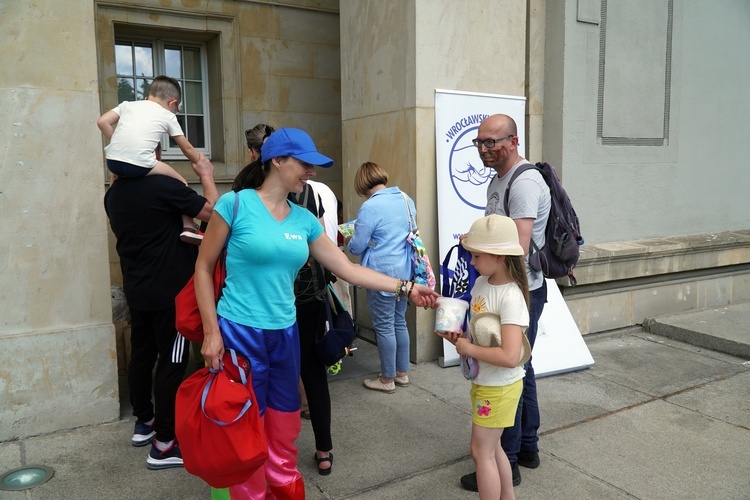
125	90
124	58
193	98
195	132
173	60
172	144
144	60
192	63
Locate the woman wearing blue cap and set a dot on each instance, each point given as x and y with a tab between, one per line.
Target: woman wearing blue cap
270	240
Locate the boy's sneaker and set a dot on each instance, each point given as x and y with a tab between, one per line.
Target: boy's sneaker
171	457
191	236
143	433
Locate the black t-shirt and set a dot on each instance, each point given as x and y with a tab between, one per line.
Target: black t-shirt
145	216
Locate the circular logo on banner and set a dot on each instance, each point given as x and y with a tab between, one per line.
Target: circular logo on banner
469	176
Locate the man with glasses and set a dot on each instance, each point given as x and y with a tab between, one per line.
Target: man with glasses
529	205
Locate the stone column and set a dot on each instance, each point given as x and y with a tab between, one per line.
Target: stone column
58	365
394	55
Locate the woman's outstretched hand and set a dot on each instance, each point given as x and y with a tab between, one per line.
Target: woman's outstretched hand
423	296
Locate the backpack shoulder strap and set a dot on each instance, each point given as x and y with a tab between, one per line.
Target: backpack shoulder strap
523	168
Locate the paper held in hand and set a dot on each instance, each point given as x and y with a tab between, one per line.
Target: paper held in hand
347	228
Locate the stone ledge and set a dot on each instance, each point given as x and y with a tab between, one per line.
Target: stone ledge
606	262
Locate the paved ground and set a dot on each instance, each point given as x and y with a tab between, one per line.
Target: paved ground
654	418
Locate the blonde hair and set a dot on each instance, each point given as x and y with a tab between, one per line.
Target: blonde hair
368	176
516	268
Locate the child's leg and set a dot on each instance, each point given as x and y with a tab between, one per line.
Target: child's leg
188	223
506	474
162	168
485	442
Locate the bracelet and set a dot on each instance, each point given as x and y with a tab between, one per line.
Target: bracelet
408	294
398	287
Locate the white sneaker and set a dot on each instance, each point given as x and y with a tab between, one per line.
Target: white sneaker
191	237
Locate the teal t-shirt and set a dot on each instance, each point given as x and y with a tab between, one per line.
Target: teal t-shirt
263	258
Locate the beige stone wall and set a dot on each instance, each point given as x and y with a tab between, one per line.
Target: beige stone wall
270	61
58	360
389	76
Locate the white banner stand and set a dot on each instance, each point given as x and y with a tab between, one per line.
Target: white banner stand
559	346
462	178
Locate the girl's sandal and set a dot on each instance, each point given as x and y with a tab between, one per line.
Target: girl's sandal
304	411
329	459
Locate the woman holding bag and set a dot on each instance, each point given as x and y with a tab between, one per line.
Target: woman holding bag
270	240
380	232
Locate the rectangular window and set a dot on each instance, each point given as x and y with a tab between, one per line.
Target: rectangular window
138	61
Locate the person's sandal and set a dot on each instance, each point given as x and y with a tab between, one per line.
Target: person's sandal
329	459
304	411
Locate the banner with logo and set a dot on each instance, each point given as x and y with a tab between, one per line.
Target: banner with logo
462	178
462	182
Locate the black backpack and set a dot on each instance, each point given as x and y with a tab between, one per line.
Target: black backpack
560	253
312	279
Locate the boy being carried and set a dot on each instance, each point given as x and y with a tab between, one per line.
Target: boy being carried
131	151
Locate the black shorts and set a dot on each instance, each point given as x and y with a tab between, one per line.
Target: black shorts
125	169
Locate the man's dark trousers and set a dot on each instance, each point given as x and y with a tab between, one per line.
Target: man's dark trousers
155	340
523	435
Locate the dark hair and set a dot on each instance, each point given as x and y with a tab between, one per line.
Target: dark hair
252	176
165	87
254	173
368	176
257	135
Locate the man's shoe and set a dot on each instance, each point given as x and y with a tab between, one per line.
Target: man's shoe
402	381
516	474
143	433
469	481
171	457
528	459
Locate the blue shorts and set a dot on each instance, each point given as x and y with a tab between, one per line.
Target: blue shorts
124	169
274	362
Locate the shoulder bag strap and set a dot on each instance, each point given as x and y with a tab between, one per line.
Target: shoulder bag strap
412	222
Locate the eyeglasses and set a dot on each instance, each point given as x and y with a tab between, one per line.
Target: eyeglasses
490	143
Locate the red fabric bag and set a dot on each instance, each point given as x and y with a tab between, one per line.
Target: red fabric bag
218	424
188	321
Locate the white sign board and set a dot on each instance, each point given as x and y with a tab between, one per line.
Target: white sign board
462	178
462	194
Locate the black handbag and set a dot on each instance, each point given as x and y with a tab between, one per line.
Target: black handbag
339	331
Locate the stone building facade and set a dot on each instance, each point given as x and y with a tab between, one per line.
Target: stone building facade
639	104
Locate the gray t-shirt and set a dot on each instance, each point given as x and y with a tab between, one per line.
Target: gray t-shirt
529	198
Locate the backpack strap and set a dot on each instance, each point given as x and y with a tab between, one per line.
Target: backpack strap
318	287
506	199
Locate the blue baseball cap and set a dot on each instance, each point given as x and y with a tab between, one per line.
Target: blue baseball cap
295	143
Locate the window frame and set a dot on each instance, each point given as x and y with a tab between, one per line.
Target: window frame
158	47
